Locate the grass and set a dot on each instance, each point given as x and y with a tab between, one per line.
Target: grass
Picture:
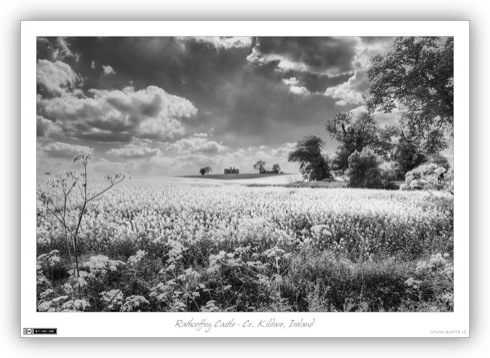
279	180
194	245
318	184
265	180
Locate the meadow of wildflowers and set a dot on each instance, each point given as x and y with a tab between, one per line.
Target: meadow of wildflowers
194	245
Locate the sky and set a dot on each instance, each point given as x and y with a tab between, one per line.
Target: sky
168	106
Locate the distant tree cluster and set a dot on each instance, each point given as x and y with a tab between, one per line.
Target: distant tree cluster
205	170
232	170
260	166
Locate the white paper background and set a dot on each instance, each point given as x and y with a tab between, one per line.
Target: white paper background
13	12
326	324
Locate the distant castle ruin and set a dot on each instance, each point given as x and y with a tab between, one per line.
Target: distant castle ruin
232	170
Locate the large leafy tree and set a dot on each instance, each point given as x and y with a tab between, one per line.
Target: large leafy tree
308	154
410	151
416	74
430	138
356	132
408	156
363	169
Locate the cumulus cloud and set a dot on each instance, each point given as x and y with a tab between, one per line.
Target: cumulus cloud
310	64
330	56
391	118
120	115
349	92
63	50
64	150
139	149
333	64
294	87
55	77
285	150
274	98
55	48
283	64
169	162
367	47
46	128
222	42
196	144
107	70
290	81
200	135
358	110
161	128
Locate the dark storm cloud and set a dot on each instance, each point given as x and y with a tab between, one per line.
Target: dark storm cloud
259	111
105	137
221	42
153	99
329	55
370	40
191	69
313	64
315	83
138	59
234	97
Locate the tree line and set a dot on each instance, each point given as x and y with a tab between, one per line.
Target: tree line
414	77
260	166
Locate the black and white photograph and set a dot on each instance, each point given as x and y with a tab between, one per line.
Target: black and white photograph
243	175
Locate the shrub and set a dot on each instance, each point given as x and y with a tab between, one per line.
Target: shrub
389	170
331	283
363	170
431	287
440	161
318	169
429	176
408	156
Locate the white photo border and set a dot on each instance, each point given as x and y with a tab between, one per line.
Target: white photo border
150	324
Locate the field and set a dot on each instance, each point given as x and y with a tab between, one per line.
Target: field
237	176
217	245
283	180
